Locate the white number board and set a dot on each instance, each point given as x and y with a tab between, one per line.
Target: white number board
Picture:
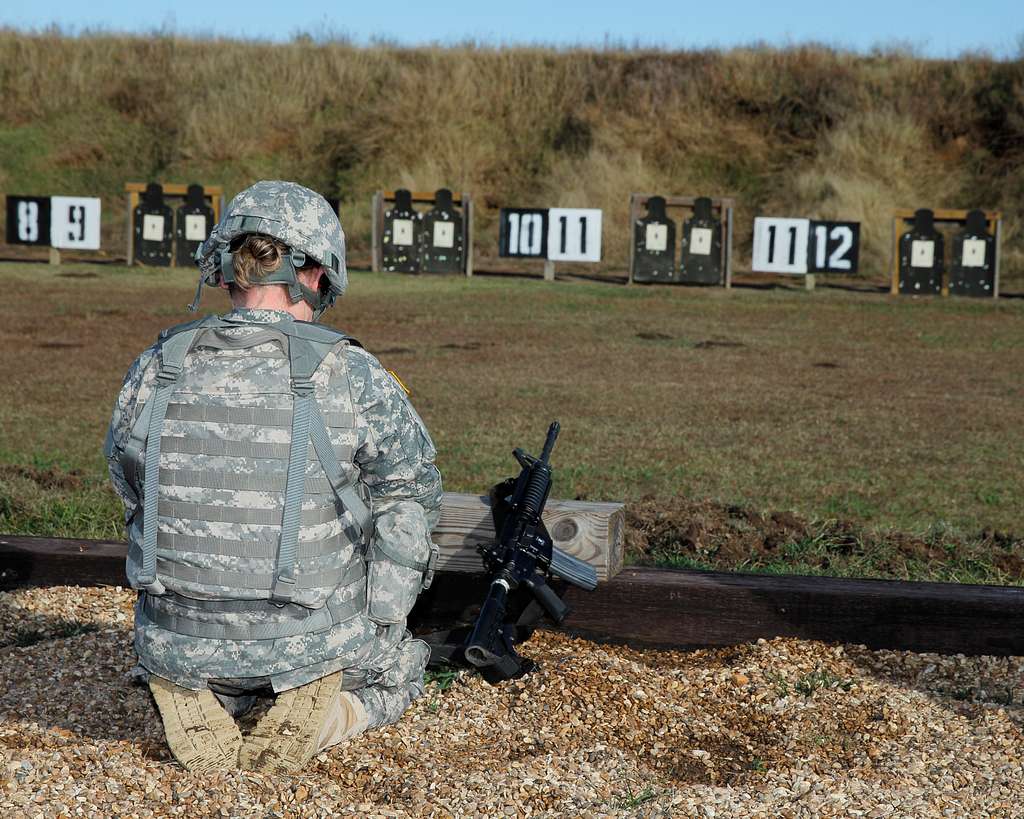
75	222
780	245
574	235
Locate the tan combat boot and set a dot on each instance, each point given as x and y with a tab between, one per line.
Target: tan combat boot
200	733
302	722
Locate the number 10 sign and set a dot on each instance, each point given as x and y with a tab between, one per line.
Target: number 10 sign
802	246
556	234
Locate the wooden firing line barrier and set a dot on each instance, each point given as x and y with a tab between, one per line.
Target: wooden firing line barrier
903	218
725	206
663	608
133	190
380	198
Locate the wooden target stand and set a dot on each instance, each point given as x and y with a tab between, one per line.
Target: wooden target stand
722	206
172	190
903	219
462	200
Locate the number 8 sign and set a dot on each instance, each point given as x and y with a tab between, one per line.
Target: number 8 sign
28	220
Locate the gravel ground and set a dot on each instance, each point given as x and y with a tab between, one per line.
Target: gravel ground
781	728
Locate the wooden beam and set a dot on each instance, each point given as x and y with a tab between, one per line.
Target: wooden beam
173	188
422	196
686	609
663	607
41	561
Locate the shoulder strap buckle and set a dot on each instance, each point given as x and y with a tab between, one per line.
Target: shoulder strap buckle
169	373
303	387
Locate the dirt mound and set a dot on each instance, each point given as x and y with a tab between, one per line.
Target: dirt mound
685	531
49	478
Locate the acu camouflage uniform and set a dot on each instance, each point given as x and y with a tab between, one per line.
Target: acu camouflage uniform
380	442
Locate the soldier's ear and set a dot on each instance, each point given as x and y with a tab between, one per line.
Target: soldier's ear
310	276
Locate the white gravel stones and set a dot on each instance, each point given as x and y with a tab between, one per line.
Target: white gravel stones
780	728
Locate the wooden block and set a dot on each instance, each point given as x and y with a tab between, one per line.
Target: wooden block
592	532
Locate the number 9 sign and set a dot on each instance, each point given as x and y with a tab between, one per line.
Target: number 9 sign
75	222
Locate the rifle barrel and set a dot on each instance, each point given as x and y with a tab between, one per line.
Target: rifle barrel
549	444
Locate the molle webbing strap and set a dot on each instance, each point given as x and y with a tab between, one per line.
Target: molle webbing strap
304	356
402	560
244	580
345	491
254	416
232	449
172	613
267	482
186	510
172	356
249	548
355	572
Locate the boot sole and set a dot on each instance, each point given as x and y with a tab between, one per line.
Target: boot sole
200	733
286	738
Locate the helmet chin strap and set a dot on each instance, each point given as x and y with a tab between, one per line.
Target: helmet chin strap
287	274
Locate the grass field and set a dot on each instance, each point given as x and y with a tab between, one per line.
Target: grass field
828	432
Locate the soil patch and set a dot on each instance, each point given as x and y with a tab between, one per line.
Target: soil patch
50	478
703	532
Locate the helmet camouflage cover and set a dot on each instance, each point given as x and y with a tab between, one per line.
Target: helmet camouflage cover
300	218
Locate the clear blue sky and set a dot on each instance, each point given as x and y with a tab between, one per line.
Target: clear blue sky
939	28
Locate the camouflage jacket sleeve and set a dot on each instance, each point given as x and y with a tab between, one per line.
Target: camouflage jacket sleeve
395	458
132	390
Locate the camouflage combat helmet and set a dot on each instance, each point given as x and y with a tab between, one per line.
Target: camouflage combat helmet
298	217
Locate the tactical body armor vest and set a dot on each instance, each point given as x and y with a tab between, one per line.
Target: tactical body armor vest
250	520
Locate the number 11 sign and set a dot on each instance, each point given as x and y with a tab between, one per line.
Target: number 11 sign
574	235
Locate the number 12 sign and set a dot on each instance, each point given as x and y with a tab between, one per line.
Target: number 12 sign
802	246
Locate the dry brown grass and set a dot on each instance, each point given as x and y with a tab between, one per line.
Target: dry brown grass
804	130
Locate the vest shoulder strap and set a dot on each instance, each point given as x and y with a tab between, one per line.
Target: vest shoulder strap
202	323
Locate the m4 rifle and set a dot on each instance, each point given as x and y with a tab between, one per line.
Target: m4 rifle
523	555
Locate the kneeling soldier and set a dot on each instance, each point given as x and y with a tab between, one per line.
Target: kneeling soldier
279	494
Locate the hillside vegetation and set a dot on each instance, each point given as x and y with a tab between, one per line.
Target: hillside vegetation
801	131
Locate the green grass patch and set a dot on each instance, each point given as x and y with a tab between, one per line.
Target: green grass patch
773	432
